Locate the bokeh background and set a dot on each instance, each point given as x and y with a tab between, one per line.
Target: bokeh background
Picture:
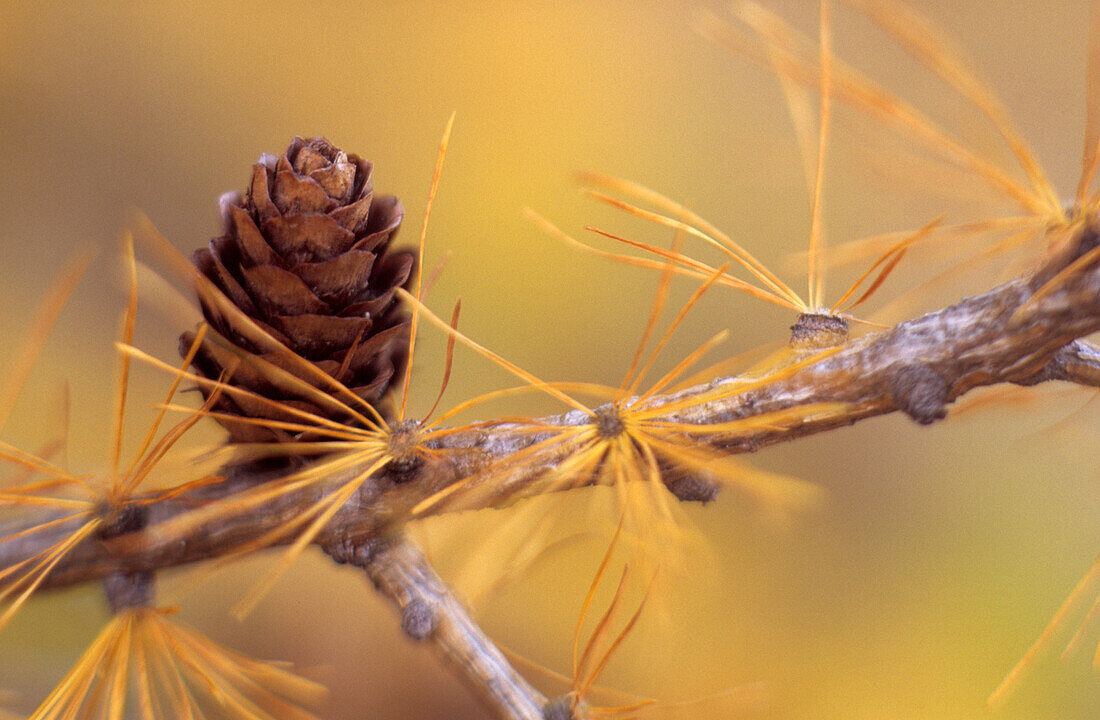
938	554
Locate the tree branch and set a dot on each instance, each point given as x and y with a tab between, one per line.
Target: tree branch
1021	332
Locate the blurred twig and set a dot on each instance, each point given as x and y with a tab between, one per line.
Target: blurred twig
430	613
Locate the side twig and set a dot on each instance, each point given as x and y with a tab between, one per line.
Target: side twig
429	612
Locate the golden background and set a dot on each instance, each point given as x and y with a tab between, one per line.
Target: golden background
939	553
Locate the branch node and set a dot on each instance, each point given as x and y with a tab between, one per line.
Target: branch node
122	518
920	392
559	708
418	620
818	331
352	551
129	589
693	489
1079	245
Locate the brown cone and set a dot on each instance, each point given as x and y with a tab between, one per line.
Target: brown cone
306	255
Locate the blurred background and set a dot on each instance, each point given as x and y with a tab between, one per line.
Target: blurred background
938	554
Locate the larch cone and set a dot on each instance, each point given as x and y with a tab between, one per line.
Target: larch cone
305	253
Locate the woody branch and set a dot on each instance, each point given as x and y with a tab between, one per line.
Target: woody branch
1009	334
1023	332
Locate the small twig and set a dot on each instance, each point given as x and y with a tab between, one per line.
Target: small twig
429	612
1078	362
